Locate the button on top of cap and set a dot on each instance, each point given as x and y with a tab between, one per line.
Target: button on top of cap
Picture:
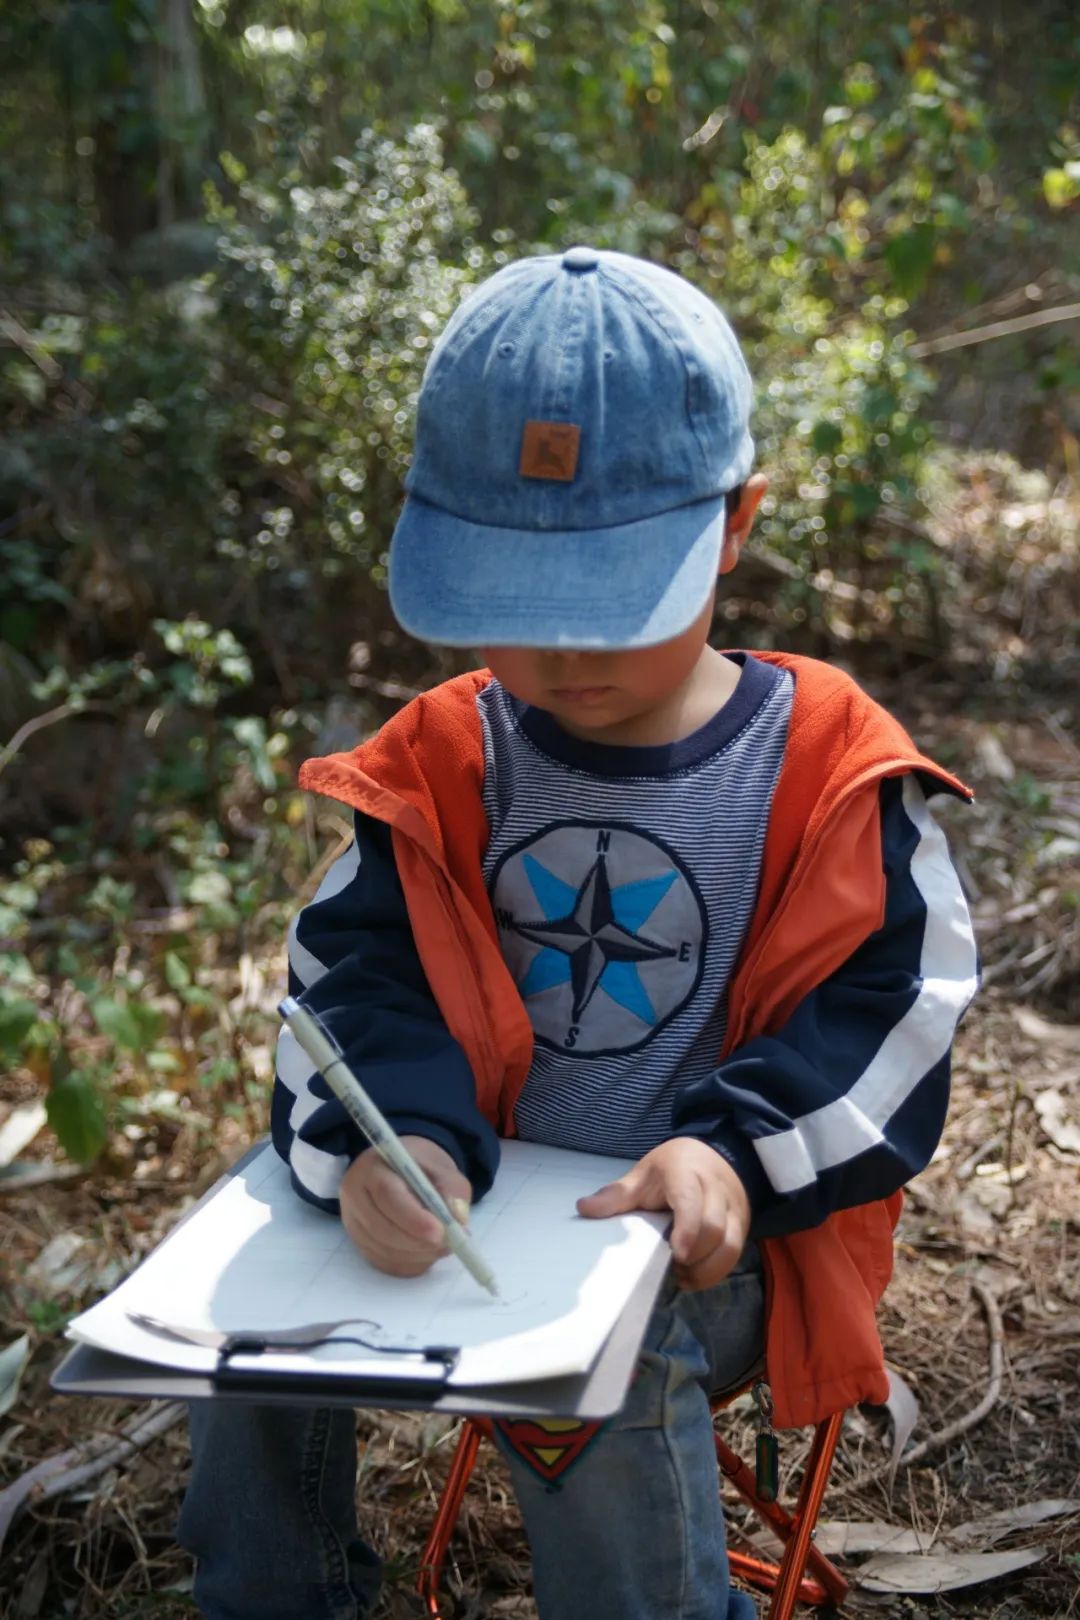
580	258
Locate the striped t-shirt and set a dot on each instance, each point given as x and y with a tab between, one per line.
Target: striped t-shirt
623	881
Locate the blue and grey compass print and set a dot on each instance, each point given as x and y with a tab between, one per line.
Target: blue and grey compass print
604	931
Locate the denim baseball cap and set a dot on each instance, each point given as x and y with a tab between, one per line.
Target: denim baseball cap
581	418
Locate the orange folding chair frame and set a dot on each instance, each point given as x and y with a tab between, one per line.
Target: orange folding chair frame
803	1574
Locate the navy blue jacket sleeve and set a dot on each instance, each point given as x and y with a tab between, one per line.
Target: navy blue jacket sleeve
846	1101
353	960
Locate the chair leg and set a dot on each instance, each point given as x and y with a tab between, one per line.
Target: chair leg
762	1574
824	1582
790	1580
434	1554
803	1519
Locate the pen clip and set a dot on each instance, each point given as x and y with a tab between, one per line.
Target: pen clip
290	1005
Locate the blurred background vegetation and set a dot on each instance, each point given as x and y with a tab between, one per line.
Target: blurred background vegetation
229	233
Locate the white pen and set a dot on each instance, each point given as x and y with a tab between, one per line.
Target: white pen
330	1062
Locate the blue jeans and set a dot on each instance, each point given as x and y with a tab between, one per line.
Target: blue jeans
634	1527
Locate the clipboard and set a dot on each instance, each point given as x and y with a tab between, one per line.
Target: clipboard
422	1385
596	1394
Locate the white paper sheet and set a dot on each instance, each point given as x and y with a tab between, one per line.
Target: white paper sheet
256	1257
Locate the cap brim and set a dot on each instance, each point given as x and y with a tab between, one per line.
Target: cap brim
470	585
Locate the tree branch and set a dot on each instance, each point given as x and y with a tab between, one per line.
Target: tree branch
996	329
51	717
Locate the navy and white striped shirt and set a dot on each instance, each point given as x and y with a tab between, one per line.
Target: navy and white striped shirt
623	881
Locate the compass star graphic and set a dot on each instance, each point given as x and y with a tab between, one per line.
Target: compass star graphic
591	937
603	929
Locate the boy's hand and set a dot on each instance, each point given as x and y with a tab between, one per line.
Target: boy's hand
383	1218
704	1194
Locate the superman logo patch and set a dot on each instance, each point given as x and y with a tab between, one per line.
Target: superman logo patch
550	1446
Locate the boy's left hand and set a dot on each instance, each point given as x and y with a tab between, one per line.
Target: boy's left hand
704	1194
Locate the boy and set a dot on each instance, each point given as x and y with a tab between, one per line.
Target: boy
617	892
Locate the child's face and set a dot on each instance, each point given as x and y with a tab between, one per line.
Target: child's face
597	694
611	696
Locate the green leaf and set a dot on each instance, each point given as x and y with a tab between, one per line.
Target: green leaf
910	257
1060	188
209	888
163	1062
250	733
17	1019
129	1024
76	1115
865	499
478	143
826	437
177	972
18	624
878	404
196	996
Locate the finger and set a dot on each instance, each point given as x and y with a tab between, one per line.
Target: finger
713	1220
398	1265
402	1209
706	1273
399	1262
617	1198
373	1225
437	1164
686	1201
712	1266
457	1193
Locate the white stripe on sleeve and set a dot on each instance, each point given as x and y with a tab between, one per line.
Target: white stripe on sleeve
294	1067
304	963
847	1126
319	1172
316	1170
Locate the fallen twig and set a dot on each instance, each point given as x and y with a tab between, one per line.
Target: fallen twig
934	1442
20	1176
996	1334
68	1470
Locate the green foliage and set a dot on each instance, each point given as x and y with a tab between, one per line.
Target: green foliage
141	1029
130	1025
839	424
915	162
1061	183
208	662
230	236
332	297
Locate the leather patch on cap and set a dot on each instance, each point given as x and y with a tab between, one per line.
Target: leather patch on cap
550	450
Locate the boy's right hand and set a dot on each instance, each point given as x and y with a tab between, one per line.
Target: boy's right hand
385	1221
